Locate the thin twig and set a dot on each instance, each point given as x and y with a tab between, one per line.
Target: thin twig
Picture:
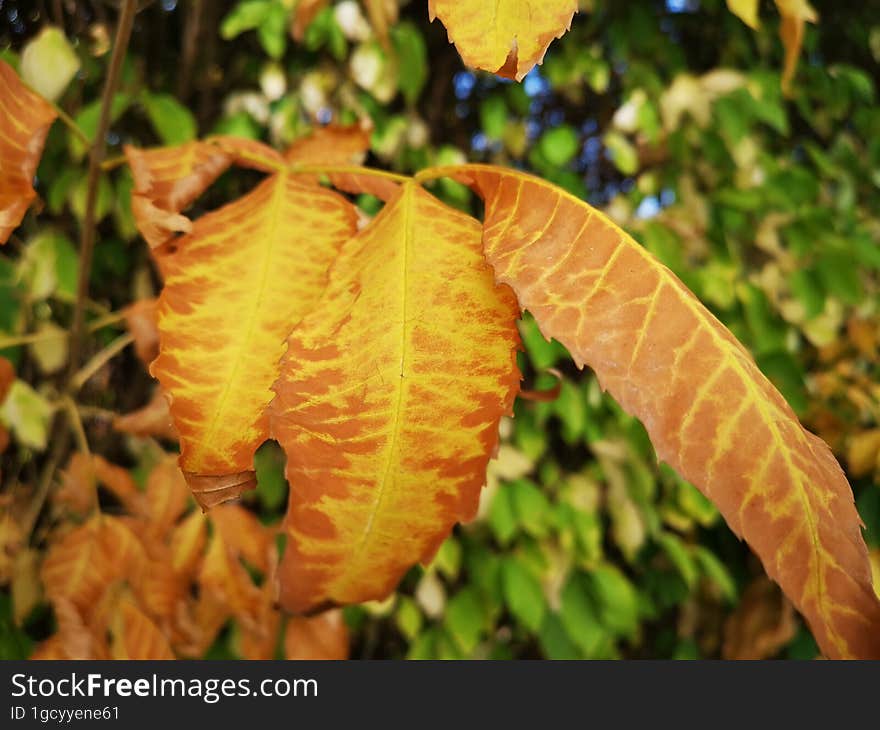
347	170
59	438
113	163
99	360
87	238
76	425
71	124
17	340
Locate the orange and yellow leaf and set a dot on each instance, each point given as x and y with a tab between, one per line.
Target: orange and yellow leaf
388	402
324	636
506	37
794	14
234	288
709	410
25	118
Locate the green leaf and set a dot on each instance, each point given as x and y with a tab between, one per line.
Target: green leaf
412	56
617	600
49	63
465	619
103	201
27	414
502	515
272	32
245	16
87	121
522	594
679	557
49	266
555	642
559	145
623	153
715	571
571	408
530	505
271	484
805	285
448	559
173	122
581	622
408	618
493	117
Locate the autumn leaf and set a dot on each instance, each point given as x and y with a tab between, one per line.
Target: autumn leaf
79	567
234	287
25	118
324	636
746	11
794	13
388	402
167	496
166	181
383	13
507	37
154	419
141	319
762	624
303	14
135	636
188	541
340	145
7	378
709	410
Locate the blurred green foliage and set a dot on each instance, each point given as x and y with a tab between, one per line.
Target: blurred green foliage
670	117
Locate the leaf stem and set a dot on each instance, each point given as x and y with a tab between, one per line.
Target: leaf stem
99	360
17	340
96	157
113	163
347	169
71	124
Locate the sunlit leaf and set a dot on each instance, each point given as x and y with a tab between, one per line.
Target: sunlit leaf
365	389
25	119
507	37
234	287
710	412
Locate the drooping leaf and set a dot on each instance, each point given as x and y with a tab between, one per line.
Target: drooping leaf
135	636
507	37
81	565
166	181
794	13
25	118
388	402
154	419
234	288
710	412
746	11
141	319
